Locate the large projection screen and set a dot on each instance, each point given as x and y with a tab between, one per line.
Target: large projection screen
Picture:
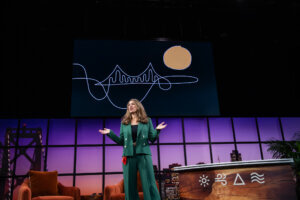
169	78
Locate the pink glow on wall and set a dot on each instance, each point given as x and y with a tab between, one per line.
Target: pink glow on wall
89	184
221	152
197	153
113	158
66	180
154	154
113	179
61	159
89	159
170	154
249	151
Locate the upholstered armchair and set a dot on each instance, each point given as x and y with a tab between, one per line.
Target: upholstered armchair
64	193
116	192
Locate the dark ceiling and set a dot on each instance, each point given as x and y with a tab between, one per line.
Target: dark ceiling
256	48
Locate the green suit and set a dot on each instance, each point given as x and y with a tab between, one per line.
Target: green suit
138	158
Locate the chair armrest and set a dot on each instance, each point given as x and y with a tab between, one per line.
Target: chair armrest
110	190
24	192
69	191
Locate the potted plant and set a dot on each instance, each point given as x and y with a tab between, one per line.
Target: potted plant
288	149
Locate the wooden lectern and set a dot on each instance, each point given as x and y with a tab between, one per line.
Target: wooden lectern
242	180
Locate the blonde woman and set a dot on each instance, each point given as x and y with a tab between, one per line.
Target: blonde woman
136	129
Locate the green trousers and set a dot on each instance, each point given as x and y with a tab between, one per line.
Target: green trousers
143	163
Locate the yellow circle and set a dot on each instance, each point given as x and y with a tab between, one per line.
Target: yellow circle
177	57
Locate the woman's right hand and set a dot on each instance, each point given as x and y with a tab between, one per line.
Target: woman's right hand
104	131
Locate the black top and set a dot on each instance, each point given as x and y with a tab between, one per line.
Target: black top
134	132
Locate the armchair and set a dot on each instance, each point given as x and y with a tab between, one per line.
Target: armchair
116	192
64	193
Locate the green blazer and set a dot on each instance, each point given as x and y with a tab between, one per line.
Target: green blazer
145	132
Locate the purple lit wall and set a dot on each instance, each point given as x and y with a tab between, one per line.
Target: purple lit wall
245	129
88	131
266	154
195	130
290	127
269	129
23	163
113	158
249	151
114	125
186	141
34	123
61	159
173	134
89	159
4	124
220	129
197	154
221	152
170	154
61	132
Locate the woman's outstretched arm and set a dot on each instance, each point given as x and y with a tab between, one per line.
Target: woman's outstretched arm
154	133
113	136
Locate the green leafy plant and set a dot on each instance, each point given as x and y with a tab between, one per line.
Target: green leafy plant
288	149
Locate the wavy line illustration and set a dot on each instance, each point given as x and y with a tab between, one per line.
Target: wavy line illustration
118	78
254	173
257	178
261	182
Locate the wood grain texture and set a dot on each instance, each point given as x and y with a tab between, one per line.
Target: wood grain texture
279	184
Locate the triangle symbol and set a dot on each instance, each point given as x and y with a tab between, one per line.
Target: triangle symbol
238	180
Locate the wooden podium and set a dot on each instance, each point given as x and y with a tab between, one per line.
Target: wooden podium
241	180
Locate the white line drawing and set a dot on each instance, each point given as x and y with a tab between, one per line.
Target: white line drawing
204	181
238	176
221	178
255	177
118	78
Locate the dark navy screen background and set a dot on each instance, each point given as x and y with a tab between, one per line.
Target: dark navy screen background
100	57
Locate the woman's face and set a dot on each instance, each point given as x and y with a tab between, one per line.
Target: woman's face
132	107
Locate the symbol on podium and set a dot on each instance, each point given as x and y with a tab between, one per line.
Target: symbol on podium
204	181
255	177
221	178
238	180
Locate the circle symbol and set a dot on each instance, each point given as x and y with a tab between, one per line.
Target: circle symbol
203	180
177	58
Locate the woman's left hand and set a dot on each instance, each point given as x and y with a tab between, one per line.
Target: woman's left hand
161	126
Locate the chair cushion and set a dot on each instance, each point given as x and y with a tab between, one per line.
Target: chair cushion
53	198
43	183
121	196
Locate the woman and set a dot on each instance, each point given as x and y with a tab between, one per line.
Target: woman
136	129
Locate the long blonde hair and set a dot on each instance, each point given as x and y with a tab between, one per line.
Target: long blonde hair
140	112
